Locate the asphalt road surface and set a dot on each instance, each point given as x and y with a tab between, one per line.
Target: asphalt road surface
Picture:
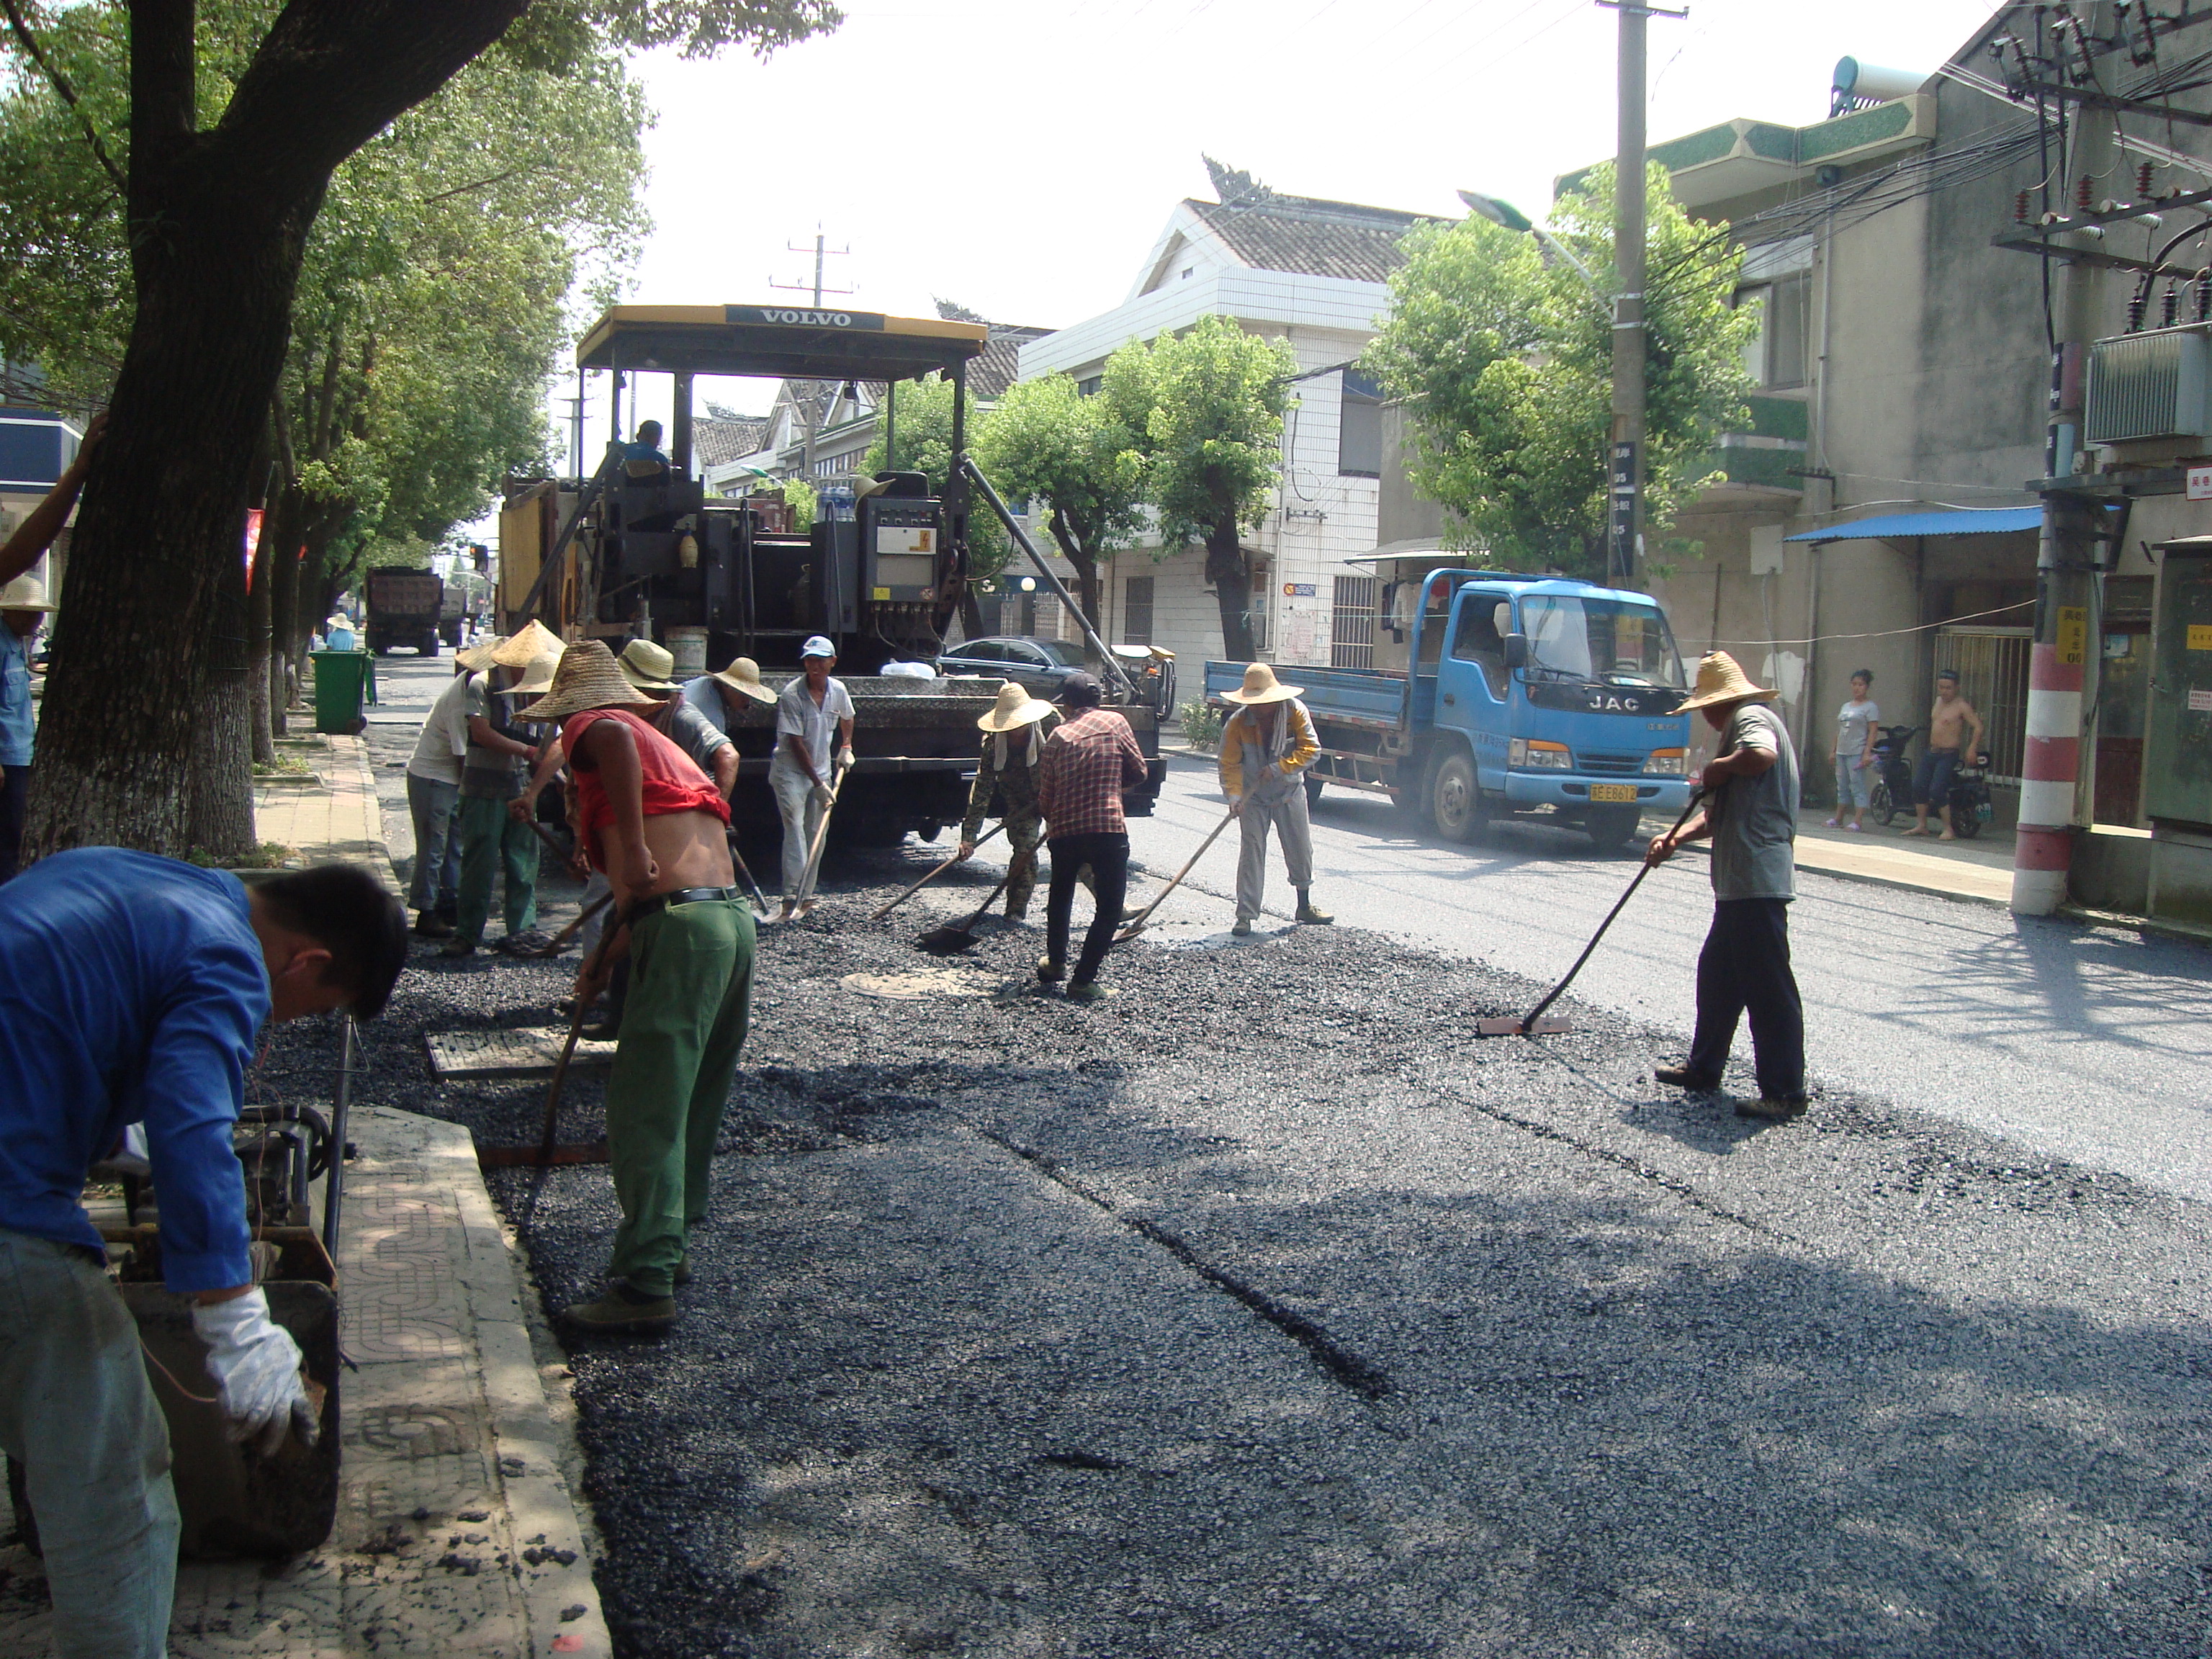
1264	1310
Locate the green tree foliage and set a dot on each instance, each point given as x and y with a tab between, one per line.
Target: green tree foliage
1082	458
1215	433
1503	358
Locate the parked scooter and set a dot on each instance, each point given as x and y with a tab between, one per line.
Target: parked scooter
1970	803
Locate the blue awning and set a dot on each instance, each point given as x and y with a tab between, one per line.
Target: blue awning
1957	521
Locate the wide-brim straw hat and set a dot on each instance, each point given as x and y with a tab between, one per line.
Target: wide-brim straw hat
648	666
1260	685
742	676
1721	678
1014	709
538	678
522	649
26	593
588	678
477	657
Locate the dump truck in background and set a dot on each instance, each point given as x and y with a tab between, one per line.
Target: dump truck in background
405	608
1521	696
639	549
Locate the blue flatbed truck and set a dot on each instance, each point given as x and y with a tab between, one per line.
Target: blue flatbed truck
1523	696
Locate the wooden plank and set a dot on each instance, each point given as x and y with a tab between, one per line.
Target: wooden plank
467	1056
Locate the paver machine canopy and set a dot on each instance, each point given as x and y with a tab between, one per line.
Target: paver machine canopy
881	575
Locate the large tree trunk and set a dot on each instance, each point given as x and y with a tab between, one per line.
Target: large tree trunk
218	222
1227	568
1087	591
219	780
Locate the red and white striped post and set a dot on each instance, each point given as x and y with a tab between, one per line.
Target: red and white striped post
2043	850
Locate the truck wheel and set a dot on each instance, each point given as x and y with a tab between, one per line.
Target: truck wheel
1454	800
1612	828
1313	790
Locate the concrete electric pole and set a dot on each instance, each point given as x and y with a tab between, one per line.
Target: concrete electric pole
1625	457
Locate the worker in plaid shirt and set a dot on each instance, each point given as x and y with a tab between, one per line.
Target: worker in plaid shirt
1088	763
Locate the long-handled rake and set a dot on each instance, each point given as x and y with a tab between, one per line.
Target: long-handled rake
1145	916
1532	1024
932	876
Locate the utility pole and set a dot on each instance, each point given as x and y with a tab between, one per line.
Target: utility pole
1625	457
822	250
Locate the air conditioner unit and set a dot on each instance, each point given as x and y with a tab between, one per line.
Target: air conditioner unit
2151	386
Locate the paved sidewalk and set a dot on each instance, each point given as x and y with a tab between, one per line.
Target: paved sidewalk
457	1532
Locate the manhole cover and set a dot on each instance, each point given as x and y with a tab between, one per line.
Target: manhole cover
912	987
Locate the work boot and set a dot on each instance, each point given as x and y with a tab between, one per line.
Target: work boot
622	1312
1681	1077
458	947
605	1026
1306	912
1018	912
529	943
431	925
1243	927
1049	971
1772	1109
1090	990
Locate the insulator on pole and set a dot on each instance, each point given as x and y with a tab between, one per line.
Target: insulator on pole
2171	311
2142	179
2019	208
2205	294
2081	188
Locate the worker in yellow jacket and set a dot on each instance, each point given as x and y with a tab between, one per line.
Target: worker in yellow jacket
1266	748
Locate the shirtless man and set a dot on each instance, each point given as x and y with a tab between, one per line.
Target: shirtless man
1931	778
654	823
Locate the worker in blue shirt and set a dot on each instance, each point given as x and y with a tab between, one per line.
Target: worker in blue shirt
643	456
133	991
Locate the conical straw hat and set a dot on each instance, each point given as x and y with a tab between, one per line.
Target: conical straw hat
477	657
1721	679
1261	686
520	650
538	678
588	678
742	676
1014	708
25	594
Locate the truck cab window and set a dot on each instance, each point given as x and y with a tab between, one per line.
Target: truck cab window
1478	641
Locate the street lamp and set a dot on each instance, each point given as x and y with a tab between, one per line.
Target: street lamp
1504	213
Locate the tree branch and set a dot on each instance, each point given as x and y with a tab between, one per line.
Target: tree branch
486	183
21	30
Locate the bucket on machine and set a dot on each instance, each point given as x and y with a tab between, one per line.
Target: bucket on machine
689	646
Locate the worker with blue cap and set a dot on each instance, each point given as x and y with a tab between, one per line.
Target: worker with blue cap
802	774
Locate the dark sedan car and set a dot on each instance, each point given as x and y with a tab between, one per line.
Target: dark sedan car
1040	666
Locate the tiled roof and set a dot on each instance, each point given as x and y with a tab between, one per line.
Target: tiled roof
1311	238
718	442
999	365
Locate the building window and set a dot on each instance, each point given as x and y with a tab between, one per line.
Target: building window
1352	623
1777	357
1359	427
1089	387
1137	610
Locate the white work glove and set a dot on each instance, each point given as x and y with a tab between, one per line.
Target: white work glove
845	756
256	1367
823	796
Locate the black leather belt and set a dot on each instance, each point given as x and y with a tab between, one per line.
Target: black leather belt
640	909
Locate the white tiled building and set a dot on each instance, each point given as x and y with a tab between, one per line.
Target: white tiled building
1313	274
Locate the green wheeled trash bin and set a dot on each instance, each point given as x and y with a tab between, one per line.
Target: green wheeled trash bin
340	683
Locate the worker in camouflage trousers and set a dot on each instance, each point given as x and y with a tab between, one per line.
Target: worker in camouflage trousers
1266	748
1013	742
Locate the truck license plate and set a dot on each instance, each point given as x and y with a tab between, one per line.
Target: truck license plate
1612	792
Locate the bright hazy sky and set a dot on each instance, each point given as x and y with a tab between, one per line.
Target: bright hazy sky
1021	158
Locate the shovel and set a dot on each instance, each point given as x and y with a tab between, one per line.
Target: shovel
547	1153
932	876
738	860
1140	924
956	937
821	839
560	940
1532	1024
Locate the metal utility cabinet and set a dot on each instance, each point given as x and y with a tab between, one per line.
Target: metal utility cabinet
2177	756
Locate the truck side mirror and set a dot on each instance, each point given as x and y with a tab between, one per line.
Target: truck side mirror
1516	650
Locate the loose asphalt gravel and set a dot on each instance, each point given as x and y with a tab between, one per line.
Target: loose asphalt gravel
1265	1310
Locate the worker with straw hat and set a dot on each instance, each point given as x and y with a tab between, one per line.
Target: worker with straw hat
1014	734
496	771
1266	748
24	609
1751	813
654	823
725	698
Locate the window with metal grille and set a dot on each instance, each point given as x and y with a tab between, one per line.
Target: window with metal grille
1359	427
1137	610
1352	623
1992	668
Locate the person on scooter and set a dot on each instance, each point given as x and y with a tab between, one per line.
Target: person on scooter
1931	778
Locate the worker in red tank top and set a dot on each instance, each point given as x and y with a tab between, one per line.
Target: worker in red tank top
654	823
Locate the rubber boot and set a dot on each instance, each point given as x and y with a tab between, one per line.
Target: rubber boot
1306	912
